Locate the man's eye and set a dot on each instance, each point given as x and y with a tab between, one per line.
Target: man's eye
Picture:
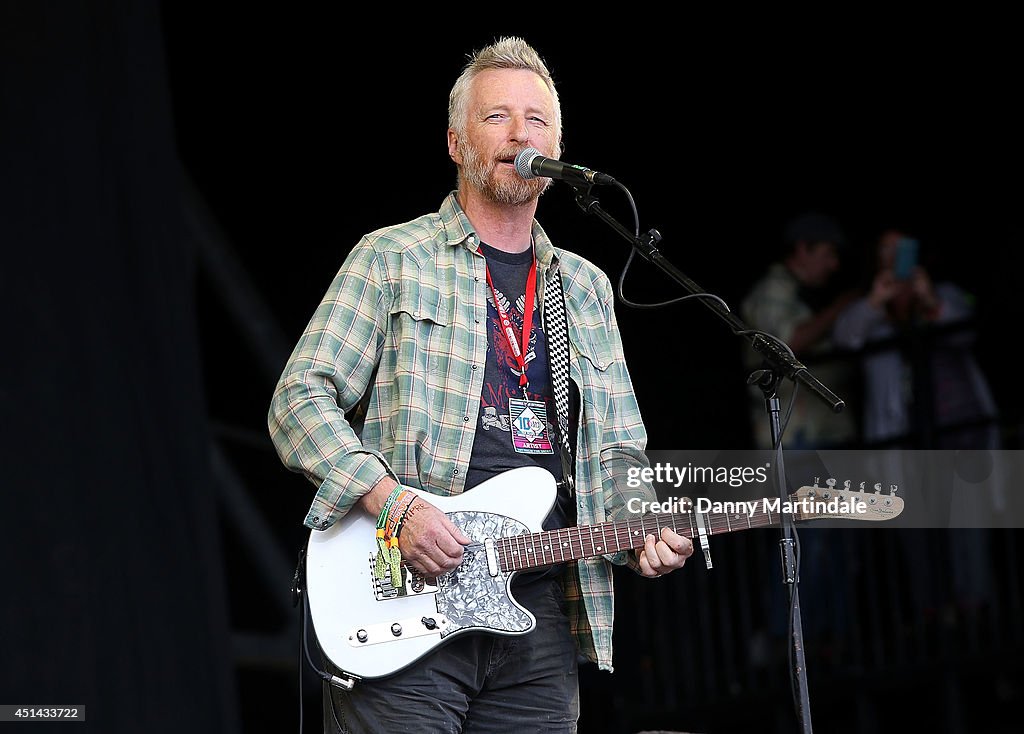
539	120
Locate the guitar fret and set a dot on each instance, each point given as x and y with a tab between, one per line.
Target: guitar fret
531	550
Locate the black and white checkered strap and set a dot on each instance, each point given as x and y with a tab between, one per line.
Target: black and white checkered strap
557	331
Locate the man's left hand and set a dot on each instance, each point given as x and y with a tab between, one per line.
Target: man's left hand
659	557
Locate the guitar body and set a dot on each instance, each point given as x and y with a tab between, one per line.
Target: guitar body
371	624
370	629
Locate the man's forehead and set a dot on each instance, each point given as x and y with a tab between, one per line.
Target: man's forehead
498	85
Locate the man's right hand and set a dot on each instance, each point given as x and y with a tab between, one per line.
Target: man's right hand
429	540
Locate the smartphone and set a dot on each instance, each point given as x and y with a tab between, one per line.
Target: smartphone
906	258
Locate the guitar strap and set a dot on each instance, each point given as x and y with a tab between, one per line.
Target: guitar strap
557	330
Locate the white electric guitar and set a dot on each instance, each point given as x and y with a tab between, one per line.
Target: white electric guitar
370	629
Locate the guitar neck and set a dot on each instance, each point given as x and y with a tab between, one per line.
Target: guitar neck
551	547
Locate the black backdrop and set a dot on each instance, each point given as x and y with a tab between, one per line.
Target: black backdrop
302	130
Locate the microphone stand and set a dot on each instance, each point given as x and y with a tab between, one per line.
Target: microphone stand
779	364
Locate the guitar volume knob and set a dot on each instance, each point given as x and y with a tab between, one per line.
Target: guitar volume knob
396	629
362	636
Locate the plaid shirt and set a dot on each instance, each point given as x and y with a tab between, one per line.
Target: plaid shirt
774	305
406	316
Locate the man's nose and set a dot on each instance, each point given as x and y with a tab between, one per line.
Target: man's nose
519	131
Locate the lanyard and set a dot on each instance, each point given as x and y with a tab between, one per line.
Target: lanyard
506	322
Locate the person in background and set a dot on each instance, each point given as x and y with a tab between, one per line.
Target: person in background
927	394
785	303
933	392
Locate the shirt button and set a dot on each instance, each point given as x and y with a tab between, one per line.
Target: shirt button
476	278
455	471
474	366
600	364
465	418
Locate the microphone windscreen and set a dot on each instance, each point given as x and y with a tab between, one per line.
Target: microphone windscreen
523	161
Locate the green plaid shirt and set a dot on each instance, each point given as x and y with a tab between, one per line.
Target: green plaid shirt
404	325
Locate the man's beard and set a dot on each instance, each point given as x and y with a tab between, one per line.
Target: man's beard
509	190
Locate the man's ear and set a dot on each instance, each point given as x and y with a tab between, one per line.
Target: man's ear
453	147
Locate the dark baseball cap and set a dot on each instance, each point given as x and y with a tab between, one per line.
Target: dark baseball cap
814	227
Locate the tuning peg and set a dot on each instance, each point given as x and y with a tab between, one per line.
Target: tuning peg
893	488
862	486
878	488
816	480
831	482
846	485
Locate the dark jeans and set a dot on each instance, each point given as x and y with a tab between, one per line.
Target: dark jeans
475	684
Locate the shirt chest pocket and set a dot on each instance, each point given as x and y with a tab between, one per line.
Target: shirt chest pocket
421	330
591	359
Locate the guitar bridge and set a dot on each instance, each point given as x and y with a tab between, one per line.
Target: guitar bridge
413	582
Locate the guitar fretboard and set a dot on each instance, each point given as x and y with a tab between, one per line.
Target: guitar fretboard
551	547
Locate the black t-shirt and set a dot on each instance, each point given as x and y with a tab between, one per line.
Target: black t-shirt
493	451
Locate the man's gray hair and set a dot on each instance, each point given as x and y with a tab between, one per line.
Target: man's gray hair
505	53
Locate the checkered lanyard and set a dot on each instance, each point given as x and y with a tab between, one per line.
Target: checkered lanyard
556	330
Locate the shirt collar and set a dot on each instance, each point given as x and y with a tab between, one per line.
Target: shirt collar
459	230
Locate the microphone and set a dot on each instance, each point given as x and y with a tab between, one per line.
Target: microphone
531	164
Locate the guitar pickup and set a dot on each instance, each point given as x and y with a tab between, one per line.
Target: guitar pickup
413	583
398	629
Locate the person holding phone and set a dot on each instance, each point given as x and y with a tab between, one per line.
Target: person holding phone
951	388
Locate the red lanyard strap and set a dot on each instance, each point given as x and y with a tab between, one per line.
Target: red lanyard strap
506	322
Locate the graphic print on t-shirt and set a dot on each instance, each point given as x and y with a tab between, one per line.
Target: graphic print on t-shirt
502	406
502	349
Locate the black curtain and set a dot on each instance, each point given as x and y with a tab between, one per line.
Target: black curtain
114	596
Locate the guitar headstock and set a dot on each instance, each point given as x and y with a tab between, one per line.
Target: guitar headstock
846	503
